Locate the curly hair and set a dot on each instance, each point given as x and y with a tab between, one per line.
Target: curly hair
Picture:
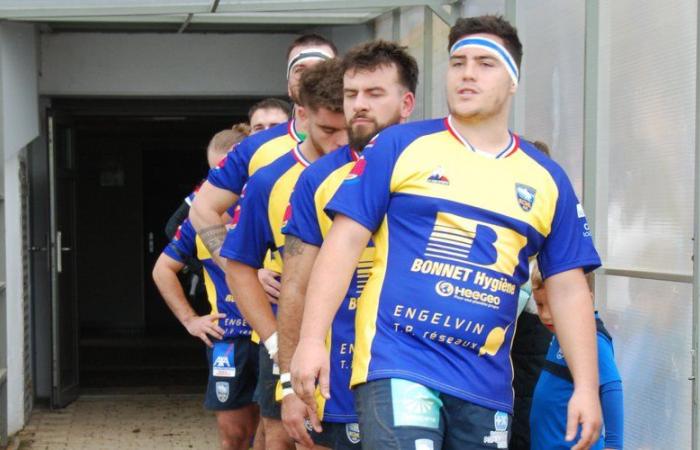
321	86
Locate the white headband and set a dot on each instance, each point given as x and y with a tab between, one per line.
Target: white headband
309	53
493	47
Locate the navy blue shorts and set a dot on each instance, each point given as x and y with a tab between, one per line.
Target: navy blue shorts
338	436
233	373
402	415
268	376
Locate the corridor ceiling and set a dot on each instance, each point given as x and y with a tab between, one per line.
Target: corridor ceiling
207	15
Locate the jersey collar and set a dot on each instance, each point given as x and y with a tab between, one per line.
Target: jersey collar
511	148
299	156
292	130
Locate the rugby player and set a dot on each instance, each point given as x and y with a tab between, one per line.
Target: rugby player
224	183
267	113
455	207
232	357
379	84
258	221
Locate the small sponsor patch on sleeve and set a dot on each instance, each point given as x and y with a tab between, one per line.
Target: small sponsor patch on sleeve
579	211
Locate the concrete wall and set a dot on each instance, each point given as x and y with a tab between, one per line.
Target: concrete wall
173	64
19	125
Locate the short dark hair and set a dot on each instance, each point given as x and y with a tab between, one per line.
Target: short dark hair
270	103
310	39
321	86
495	25
543	147
372	54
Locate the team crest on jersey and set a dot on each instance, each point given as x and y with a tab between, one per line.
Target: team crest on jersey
438	176
352	431
356	172
525	195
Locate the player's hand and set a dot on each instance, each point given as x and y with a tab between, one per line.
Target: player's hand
270	283
294	414
205	326
310	362
584	409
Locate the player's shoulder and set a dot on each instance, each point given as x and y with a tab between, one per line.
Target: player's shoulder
267	176
326	165
544	161
405	133
254	142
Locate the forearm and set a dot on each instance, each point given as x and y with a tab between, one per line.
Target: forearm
331	275
206	213
299	258
250	298
171	290
613	416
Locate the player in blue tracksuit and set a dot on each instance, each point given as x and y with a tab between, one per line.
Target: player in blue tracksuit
555	387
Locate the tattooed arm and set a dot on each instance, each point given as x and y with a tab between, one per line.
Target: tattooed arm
299	257
206	213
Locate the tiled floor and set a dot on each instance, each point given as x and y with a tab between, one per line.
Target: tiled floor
125	421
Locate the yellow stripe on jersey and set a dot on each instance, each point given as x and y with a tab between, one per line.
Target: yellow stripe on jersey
368	307
270	151
202	254
497	176
279	200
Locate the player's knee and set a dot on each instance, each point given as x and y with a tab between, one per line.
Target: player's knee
235	436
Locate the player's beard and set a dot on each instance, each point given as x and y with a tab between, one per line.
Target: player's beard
359	138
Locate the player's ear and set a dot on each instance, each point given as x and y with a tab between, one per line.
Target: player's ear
408	102
302	116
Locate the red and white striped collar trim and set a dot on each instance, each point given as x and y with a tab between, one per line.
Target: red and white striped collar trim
299	156
292	130
511	148
354	154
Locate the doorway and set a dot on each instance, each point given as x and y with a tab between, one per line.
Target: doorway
131	165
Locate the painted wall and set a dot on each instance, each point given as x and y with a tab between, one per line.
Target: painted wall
19	125
173	64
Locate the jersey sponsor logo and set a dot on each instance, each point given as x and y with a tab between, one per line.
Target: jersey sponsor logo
352	431
222	391
579	211
494	341
472	242
525	195
223	365
357	170
438	176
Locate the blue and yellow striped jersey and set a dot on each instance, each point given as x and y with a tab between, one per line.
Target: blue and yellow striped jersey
454	231
187	243
307	221
251	154
259	218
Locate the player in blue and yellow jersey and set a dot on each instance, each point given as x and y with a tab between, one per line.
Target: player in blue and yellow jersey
233	359
225	182
379	84
258	222
456	207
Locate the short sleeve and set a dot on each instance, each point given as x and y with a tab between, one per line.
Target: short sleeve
250	236
182	246
303	218
364	194
569	245
607	369
232	171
